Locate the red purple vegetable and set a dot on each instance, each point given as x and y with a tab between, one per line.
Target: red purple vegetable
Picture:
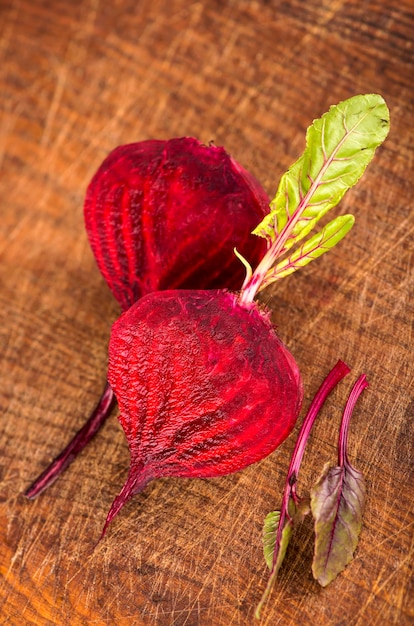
164	214
168	214
205	385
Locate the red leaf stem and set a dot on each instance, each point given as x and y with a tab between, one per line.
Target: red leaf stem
76	445
356	391
338	372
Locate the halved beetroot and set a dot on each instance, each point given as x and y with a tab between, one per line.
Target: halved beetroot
205	386
168	214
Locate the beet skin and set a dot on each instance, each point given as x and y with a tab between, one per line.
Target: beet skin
205	387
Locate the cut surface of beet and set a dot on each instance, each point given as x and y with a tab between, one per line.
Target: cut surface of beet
168	214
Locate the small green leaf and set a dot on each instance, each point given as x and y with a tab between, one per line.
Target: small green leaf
284	542
339	147
313	248
275	551
337	503
269	536
277	531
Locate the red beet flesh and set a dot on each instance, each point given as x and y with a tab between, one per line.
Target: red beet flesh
205	387
164	214
167	214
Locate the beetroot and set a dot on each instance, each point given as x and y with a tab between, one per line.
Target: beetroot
205	386
163	214
168	214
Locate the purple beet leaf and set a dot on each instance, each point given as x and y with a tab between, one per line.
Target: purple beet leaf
337	503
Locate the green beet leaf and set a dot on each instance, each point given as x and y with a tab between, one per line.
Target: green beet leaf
296	513
339	147
313	248
277	532
269	536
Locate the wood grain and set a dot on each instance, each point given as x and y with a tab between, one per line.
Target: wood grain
78	78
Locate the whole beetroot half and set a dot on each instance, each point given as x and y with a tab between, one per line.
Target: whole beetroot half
167	214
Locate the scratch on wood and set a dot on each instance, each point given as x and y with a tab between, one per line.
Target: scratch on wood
378	586
402	234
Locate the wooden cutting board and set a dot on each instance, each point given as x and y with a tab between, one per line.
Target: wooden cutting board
78	78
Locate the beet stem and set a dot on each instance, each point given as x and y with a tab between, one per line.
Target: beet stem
76	445
356	391
338	372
